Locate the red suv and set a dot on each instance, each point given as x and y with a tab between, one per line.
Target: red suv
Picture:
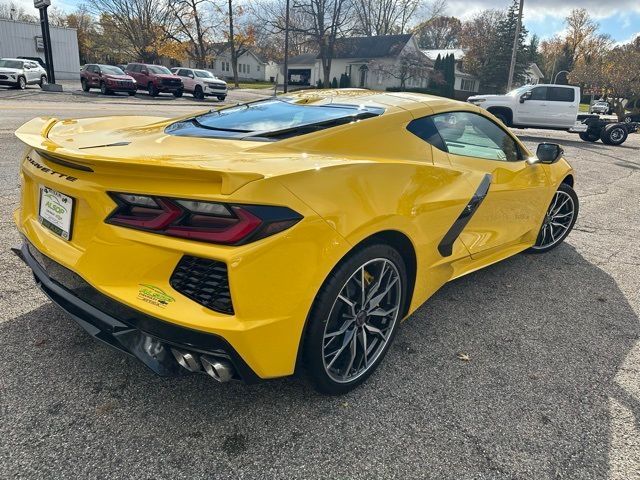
155	79
107	78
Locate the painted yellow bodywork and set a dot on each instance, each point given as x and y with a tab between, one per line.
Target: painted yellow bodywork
348	182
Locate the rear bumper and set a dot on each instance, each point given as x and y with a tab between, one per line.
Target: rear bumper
147	338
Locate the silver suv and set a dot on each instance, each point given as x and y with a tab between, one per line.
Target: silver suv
19	73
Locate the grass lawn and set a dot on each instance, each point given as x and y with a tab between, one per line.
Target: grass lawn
253	85
584	107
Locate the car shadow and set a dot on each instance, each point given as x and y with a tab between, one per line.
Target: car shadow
504	373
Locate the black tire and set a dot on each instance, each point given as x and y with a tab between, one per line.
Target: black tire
153	91
567	192
131	94
198	93
614	134
326	310
22	83
178	93
502	117
85	85
103	89
43	81
589	137
222	97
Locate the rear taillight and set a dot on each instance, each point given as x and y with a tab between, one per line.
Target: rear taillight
229	224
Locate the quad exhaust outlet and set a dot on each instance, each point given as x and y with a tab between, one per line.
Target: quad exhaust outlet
219	369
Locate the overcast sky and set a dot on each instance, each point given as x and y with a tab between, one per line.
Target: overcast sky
619	18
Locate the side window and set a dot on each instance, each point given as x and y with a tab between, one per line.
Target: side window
91	68
467	134
135	67
539	93
181	72
559	94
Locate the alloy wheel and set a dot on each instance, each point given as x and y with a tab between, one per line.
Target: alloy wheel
361	320
557	221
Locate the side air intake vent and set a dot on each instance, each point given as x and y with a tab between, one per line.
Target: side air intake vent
204	281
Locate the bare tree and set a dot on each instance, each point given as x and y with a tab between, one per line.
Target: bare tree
410	65
142	23
240	35
383	17
14	11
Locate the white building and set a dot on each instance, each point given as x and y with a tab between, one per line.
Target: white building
465	84
22	39
250	66
533	75
370	62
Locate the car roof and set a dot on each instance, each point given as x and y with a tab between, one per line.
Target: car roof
18	59
421	103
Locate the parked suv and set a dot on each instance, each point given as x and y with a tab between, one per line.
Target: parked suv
201	83
19	73
107	78
541	106
155	79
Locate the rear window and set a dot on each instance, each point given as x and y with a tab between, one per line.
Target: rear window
559	94
270	119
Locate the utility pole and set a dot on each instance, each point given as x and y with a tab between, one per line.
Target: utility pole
42	6
286	51
514	52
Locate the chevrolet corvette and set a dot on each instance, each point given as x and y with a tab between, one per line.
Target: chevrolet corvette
290	234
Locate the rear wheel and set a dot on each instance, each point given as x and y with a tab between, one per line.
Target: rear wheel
614	134
354	319
589	137
198	93
558	221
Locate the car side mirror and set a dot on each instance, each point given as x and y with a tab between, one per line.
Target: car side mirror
525	96
191	75
144	72
549	152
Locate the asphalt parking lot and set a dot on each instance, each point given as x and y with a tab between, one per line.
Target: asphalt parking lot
551	388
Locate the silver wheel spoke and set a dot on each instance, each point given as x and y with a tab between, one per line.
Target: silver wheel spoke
351	344
557	210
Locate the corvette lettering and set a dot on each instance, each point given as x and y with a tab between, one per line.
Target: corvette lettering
44	169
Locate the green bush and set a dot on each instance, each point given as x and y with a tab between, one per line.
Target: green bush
334	83
319	84
345	81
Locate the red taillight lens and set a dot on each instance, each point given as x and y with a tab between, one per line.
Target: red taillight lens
204	221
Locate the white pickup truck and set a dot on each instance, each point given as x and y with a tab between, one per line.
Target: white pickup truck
552	107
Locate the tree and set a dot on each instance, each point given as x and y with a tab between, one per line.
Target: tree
192	24
383	17
613	74
14	11
477	38
439	33
240	35
495	70
410	65
85	25
142	23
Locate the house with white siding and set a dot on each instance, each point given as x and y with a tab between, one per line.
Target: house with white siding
370	62
251	67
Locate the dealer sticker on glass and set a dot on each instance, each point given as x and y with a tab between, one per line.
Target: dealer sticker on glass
56	211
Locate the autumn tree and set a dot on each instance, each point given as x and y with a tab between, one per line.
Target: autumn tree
192	24
87	32
613	74
439	33
477	38
142	23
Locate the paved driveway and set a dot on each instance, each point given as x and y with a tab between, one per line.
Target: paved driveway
551	388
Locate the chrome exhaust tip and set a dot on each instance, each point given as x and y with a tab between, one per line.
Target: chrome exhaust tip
187	360
219	369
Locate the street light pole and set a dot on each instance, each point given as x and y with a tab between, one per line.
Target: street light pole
286	50
555	79
514	52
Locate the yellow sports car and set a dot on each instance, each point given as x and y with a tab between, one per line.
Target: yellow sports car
291	233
